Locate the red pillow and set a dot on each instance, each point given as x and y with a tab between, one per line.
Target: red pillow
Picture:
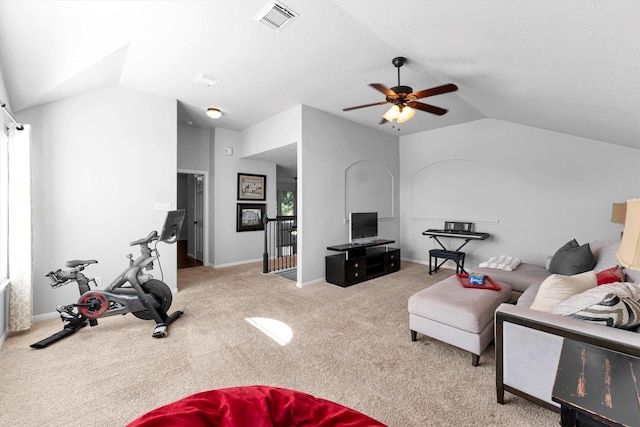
610	275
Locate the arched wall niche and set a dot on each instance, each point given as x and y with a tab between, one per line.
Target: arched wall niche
455	190
369	188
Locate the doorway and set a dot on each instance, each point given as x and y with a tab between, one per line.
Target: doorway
192	196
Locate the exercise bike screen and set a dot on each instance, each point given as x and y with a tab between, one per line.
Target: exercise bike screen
172	226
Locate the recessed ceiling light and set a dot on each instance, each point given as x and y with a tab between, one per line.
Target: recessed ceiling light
214	113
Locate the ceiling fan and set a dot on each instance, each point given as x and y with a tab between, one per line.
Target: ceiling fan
404	99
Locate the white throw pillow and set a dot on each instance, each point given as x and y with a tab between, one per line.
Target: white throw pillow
595	295
557	287
502	262
605	253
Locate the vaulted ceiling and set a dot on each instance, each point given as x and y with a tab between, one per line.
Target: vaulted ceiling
571	66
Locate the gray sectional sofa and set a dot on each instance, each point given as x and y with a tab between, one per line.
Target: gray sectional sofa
528	342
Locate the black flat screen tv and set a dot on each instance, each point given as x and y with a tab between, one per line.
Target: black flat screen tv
363	227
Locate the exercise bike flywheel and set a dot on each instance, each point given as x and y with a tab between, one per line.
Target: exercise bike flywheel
93	304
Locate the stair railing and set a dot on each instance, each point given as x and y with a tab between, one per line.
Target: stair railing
280	243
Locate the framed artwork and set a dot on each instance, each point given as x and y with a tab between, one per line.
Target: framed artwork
250	216
252	187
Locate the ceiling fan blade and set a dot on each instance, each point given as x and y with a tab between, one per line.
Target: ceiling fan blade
436	90
382	88
366	105
426	107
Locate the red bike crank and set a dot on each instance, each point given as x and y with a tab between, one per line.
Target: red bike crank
93	304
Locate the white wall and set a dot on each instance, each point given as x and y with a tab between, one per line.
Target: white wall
5	99
203	150
550	188
100	163
232	247
196	153
329	146
193	148
277	131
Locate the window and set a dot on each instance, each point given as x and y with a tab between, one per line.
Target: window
286	206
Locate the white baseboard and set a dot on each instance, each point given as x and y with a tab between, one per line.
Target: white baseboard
45	316
415	261
4	337
449	265
4	310
310	283
231	264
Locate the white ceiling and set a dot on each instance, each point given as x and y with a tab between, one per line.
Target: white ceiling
571	66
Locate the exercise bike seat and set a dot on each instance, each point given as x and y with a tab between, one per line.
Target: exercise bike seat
76	262
150	238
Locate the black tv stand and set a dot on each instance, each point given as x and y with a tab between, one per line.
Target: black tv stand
358	262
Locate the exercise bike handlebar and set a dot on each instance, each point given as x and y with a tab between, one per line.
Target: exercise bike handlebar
61	277
150	238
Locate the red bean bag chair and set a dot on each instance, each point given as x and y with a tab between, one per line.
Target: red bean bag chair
253	406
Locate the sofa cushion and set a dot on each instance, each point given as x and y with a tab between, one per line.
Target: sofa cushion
528	296
615	311
450	303
521	278
572	259
595	295
610	275
558	287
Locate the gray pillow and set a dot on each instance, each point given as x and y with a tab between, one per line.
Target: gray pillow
572	259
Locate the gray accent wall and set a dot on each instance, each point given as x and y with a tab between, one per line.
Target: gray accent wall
100	163
543	188
330	146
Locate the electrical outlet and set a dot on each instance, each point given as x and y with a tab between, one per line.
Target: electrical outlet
98	281
163	206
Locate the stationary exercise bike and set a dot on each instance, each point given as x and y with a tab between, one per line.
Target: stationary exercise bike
133	291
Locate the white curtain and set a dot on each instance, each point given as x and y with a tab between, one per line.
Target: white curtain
20	230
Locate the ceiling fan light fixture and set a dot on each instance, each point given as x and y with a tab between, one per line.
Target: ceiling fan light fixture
406	114
399	113
214	113
392	113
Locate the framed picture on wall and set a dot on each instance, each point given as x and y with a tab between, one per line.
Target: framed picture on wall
252	187
250	216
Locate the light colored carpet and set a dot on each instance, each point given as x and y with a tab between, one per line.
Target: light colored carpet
349	345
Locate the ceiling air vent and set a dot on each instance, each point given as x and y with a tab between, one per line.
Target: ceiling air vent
204	80
275	15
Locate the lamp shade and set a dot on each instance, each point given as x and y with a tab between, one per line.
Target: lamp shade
629	252
618	213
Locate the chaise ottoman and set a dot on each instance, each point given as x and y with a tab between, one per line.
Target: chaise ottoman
456	315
